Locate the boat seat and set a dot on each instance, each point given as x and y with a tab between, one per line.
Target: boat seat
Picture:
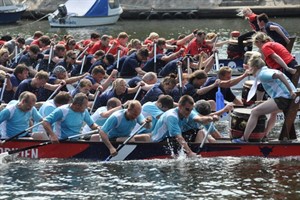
288	129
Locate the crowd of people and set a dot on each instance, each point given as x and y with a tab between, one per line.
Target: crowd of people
82	83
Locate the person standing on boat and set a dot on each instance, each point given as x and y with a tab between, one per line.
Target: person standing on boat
272	29
120	124
16	117
275	54
277	85
171	123
69	119
252	19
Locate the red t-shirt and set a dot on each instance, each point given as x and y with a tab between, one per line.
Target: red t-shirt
118	46
270	48
97	46
195	48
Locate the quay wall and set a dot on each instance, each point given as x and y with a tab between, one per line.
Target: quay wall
162	9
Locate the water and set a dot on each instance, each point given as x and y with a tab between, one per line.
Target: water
140	29
203	178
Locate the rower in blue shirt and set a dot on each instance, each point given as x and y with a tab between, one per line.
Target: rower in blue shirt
16	116
171	123
69	119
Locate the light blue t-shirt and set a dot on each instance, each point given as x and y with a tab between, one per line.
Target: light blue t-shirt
13	120
118	126
150	109
97	118
170	125
45	110
68	122
274	87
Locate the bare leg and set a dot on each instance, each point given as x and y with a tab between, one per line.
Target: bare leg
271	123
213	106
39	136
95	138
200	137
142	138
267	107
259	95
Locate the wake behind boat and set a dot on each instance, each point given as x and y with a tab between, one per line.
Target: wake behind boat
80	13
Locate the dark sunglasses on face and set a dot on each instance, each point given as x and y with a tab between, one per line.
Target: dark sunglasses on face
188	109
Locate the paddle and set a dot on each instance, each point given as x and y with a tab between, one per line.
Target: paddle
128	139
154	50
82	64
55	91
205	137
3	89
118	62
137	93
3	156
219	96
86	48
179	72
26	130
50	55
95	97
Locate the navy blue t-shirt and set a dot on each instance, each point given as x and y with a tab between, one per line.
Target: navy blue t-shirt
170	67
211	95
129	65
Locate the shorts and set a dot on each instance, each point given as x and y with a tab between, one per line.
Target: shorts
190	135
283	103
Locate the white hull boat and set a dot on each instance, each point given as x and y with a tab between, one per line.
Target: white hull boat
81	13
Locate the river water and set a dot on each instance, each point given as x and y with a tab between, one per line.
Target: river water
202	178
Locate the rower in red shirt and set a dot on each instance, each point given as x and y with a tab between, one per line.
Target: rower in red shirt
198	45
119	43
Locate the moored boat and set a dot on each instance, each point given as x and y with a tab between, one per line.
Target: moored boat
80	13
9	12
140	151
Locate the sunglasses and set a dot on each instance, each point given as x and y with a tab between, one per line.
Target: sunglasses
188	109
73	58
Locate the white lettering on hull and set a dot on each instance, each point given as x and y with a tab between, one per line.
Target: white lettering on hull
30	153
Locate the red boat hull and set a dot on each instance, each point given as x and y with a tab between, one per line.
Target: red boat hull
137	151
